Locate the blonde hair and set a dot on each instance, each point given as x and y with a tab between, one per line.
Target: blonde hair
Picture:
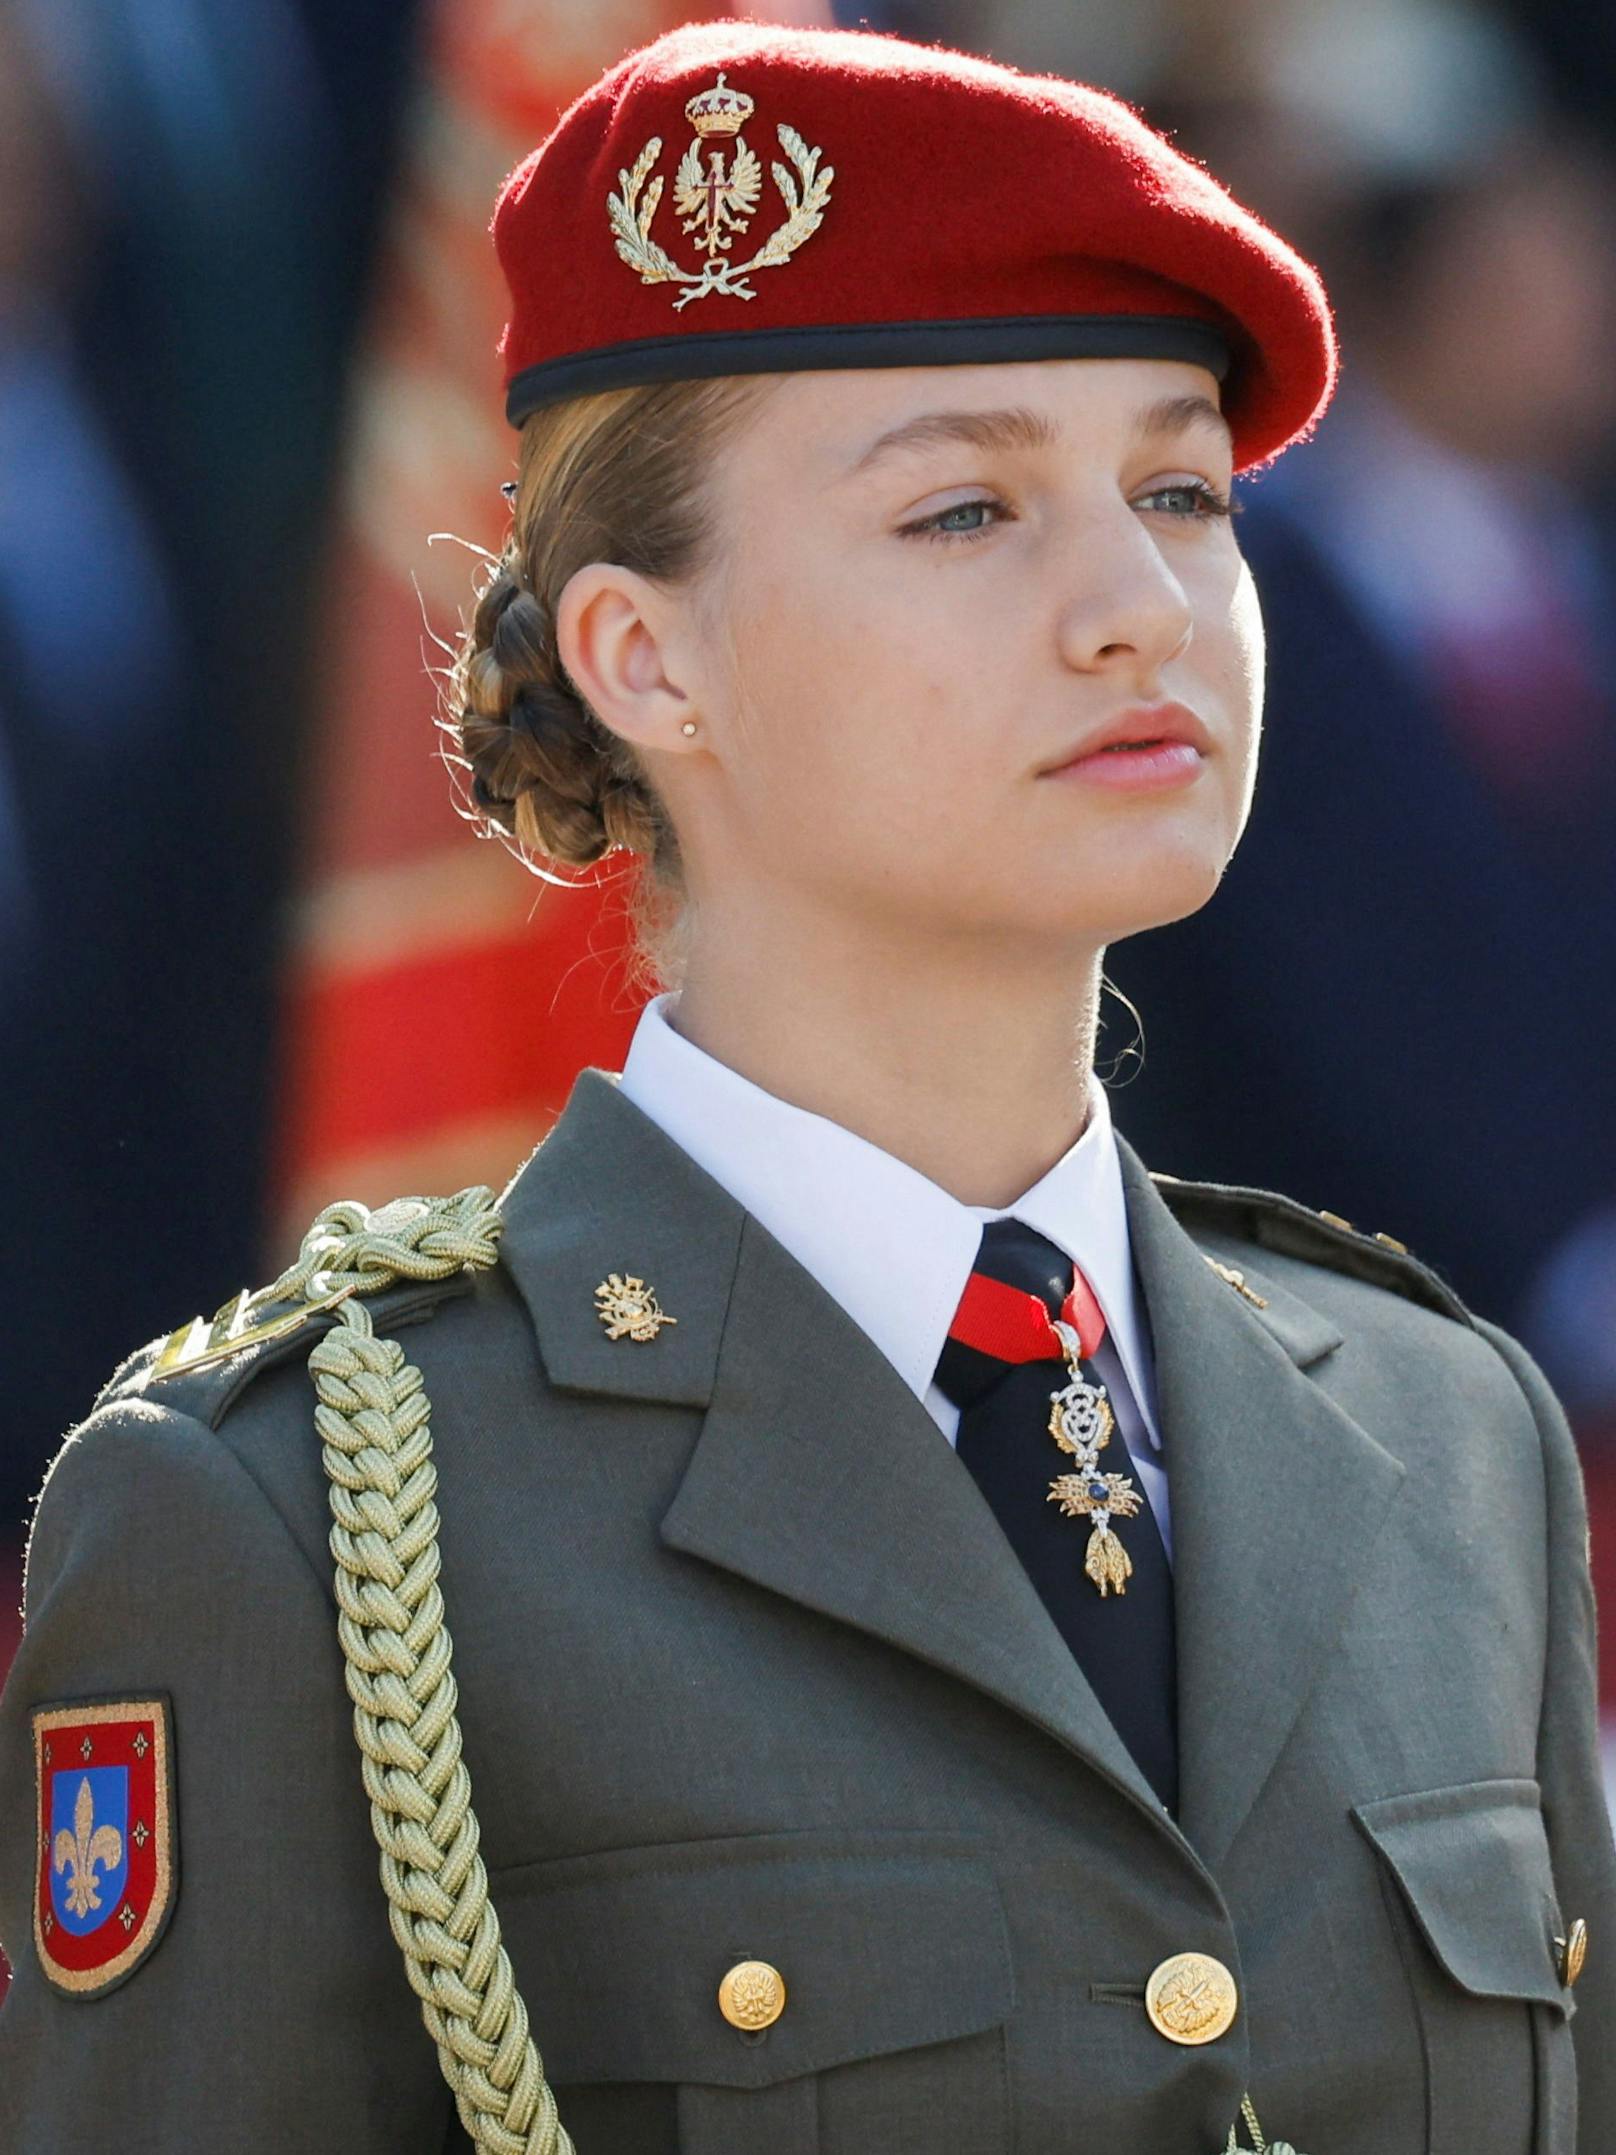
618	477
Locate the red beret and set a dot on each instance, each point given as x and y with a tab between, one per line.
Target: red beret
843	198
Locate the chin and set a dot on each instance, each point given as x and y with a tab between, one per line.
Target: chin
1144	894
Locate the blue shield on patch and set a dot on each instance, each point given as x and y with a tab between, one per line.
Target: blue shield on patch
89	1844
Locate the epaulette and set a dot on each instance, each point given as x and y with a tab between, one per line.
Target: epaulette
405	1259
207	1388
1276	1222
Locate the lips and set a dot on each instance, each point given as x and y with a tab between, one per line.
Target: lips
1140	726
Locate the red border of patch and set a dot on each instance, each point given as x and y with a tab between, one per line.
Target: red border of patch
136	1733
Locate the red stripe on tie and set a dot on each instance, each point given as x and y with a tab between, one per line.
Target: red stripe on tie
1015	1326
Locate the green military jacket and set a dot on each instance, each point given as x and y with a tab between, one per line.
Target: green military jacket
747	1671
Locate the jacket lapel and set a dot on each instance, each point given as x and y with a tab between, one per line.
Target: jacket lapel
821	1476
817	1473
1277	1495
607	1192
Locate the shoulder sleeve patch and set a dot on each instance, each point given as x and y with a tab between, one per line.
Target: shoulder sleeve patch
107	1851
1275	1222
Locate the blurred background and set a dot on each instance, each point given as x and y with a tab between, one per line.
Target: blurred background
251	440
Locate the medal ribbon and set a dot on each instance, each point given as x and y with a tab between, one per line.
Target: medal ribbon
1016	1326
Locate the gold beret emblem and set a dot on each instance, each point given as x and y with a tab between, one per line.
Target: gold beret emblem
715	199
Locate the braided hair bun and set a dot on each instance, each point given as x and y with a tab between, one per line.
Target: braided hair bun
542	765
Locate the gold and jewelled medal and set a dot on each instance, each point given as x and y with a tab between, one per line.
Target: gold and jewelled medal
1081	1423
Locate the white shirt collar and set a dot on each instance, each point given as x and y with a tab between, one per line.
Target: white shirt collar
862	1221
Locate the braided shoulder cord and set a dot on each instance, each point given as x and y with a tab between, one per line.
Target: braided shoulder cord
374	1423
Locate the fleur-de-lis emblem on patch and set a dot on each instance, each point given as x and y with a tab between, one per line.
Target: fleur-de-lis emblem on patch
716	201
79	1852
628	1308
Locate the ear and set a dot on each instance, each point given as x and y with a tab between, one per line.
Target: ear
615	631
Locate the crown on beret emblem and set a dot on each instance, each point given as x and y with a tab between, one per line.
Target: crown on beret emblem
716	200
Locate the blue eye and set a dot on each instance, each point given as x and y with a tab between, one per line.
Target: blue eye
969	520
1208	501
944	524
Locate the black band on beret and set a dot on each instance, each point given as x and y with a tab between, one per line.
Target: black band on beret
994	341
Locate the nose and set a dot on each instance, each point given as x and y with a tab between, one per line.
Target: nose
1122	609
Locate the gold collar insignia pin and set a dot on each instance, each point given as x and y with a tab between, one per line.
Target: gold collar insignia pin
628	1308
1237	1280
714	202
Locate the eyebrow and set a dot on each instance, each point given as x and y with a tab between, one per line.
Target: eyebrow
1019	428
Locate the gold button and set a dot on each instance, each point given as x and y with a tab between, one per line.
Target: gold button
752	1995
1336	1220
1191	1999
1573	1952
1391	1243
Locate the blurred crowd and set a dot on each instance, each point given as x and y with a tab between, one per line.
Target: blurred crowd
1399	1007
188	201
1402	1005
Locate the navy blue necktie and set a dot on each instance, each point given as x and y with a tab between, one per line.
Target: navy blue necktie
1124	1642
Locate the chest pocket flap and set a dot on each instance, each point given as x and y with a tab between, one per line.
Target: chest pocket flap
1473	1865
884	1942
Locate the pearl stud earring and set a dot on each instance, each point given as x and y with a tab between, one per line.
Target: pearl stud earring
689	726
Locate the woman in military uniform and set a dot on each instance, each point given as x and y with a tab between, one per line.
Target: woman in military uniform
871	1620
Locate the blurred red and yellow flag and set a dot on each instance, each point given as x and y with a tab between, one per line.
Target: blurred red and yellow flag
439	999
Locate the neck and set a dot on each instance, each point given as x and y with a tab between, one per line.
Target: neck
972	1066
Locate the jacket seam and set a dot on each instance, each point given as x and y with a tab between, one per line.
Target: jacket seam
1496	1338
